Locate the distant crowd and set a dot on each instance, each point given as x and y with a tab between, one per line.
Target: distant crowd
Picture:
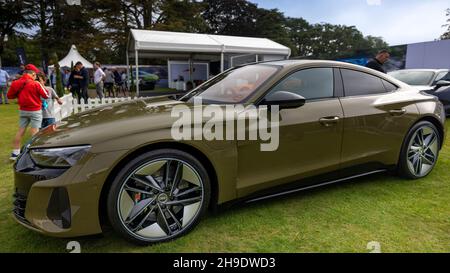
107	81
35	93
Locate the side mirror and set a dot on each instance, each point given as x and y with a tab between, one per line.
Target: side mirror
285	100
440	84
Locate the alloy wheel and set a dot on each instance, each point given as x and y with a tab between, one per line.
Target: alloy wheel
423	151
160	199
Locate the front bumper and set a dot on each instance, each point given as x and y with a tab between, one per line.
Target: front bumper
62	202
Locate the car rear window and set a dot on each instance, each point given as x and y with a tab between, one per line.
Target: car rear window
358	83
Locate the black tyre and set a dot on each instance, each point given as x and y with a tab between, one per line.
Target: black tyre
420	151
158	196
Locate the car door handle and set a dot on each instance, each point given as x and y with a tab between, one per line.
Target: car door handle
397	112
329	121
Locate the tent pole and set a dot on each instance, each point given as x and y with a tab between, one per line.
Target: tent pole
221	62
190	68
137	72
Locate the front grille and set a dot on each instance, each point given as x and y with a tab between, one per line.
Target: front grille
20	203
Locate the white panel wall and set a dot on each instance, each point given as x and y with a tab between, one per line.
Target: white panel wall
433	55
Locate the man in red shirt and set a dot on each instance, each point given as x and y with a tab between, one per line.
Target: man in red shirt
28	93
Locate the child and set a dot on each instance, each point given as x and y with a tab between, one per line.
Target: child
48	115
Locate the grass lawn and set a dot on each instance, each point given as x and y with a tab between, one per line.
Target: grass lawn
402	215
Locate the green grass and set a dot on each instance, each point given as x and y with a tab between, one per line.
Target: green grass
404	216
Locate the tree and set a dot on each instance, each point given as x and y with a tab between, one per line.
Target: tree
232	17
242	18
327	41
59	86
446	35
299	31
271	24
15	14
376	42
184	16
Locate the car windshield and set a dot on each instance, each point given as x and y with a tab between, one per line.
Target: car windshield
233	86
414	77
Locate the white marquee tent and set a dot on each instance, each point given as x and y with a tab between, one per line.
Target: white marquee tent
72	58
194	46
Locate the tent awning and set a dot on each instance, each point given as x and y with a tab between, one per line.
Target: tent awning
72	58
157	42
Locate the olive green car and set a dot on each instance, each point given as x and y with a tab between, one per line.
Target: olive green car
119	164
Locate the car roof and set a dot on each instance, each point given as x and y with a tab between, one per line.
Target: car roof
293	64
423	70
327	63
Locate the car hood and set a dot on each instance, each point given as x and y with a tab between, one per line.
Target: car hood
108	122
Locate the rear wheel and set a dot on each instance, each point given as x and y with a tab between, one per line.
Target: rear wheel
158	196
420	151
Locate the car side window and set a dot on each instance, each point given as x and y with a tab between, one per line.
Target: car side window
442	76
389	86
311	83
359	83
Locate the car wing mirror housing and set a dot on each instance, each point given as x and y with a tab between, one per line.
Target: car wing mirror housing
285	100
440	84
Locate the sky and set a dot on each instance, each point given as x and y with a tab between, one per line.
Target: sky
397	21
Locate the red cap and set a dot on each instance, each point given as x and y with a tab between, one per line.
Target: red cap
32	68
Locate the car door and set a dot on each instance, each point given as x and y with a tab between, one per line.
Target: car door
310	136
376	119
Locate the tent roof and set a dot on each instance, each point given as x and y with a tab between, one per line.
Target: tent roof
73	57
179	42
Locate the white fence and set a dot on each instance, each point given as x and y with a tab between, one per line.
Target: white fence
71	106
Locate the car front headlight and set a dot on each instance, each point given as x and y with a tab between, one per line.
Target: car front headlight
58	157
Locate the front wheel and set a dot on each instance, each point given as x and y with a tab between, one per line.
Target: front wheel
420	151
158	196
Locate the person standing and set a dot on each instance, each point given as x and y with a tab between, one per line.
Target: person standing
379	60
65	78
109	82
99	77
4	80
74	84
84	81
28	92
53	78
125	80
119	83
48	113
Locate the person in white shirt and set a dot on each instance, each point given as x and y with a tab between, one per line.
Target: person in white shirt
99	77
4	80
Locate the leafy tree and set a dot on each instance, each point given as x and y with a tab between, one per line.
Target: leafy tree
59	85
327	41
100	29
15	14
30	45
271	24
299	31
242	18
183	16
446	35
232	17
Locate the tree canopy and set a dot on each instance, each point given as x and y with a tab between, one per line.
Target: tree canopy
446	35
100	29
